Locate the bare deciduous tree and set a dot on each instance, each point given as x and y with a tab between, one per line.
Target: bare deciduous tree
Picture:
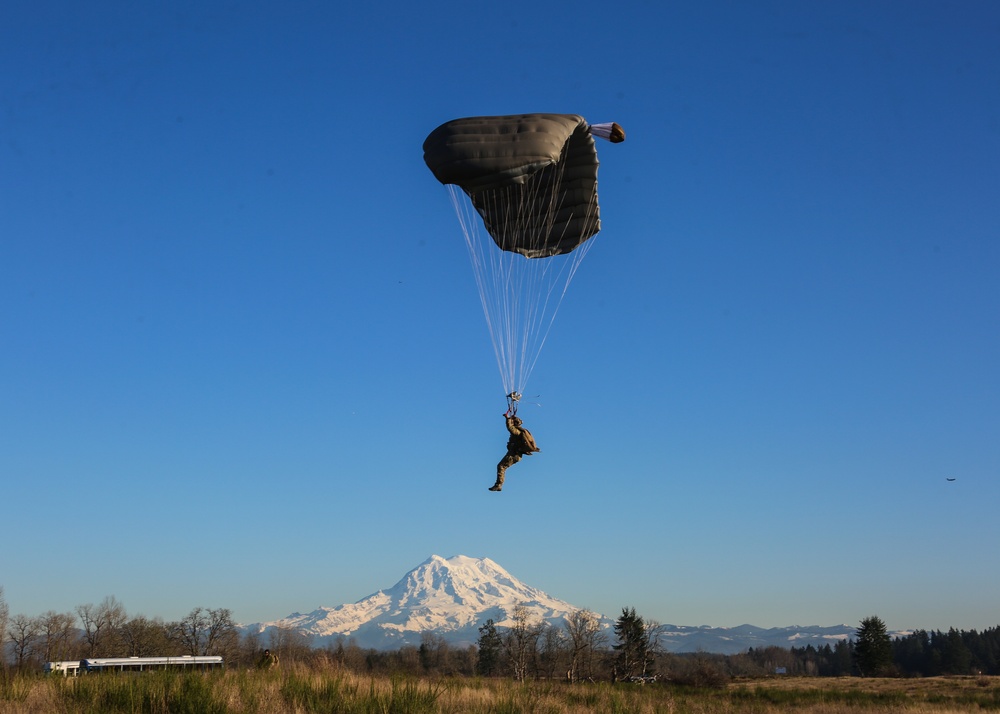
654	631
553	650
58	635
91	625
289	644
206	631
143	637
25	637
192	631
4	616
585	639
221	637
101	625
248	650
520	643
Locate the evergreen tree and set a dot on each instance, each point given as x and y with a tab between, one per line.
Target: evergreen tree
634	658
912	654
873	648
490	648
955	655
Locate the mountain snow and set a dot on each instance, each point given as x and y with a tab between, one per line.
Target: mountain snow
449	597
452	597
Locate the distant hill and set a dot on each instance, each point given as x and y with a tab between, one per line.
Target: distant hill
451	598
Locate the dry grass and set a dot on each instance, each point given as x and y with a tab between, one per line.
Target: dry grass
854	694
298	690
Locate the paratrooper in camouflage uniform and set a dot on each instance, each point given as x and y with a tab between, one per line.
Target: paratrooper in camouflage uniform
521	443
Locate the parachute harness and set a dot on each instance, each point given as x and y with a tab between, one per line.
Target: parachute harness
512	399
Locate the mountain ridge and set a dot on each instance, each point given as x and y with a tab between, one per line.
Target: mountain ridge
452	597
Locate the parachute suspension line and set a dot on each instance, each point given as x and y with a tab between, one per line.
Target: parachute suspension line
563	268
483	269
520	296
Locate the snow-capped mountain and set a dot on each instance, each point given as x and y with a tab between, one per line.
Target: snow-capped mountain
451	598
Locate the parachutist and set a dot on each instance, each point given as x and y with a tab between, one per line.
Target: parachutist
521	443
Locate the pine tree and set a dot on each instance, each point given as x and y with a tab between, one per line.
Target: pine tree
873	648
490	646
634	658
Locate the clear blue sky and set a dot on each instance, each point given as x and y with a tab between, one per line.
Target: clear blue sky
243	362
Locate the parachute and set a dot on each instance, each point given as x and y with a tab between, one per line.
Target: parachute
532	180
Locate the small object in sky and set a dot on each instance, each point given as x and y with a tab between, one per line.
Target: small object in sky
948	479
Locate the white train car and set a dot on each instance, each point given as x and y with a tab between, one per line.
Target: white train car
67	668
141	664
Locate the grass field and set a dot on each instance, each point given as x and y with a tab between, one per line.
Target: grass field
300	690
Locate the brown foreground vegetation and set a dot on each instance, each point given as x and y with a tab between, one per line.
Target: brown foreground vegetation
301	689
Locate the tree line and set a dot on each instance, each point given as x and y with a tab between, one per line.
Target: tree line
872	652
578	649
107	630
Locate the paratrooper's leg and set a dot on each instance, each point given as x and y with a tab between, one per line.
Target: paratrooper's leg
505	463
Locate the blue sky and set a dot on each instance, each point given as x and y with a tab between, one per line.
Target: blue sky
244	363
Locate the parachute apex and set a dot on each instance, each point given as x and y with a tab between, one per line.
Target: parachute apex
612	131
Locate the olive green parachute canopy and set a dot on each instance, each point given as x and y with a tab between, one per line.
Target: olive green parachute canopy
531	177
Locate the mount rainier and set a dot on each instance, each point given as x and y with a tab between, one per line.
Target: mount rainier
451	598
